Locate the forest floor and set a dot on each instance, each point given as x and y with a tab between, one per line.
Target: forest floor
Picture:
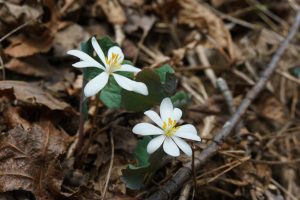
202	41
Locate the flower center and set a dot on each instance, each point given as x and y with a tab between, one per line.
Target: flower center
169	127
113	62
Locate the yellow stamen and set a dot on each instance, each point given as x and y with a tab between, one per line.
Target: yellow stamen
171	132
170	121
169	127
164	125
113	62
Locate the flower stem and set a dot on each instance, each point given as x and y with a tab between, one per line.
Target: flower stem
81	125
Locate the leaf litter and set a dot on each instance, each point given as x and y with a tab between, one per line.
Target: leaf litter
41	92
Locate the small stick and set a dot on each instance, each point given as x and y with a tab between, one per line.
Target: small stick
185	191
16	29
3	68
119	34
204	60
184	173
222	85
283	189
110	164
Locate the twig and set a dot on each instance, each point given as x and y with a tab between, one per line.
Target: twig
243	76
192	91
110	164
3	68
185	191
16	29
119	34
204	60
222	85
283	189
184	173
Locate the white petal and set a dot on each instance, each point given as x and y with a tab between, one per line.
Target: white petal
170	147
128	68
187	131
154	117
183	145
99	51
85	57
83	64
155	143
131	85
176	115
96	84
116	50
166	109
147	129
188	128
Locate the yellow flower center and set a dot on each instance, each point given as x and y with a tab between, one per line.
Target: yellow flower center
169	127
113	62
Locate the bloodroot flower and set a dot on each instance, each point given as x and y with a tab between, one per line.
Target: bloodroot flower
112	64
168	133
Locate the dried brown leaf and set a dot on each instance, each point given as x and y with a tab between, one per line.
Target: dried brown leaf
194	14
113	11
27	156
13	15
39	41
68	38
33	94
13	119
33	66
271	108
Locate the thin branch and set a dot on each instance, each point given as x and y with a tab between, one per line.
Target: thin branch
110	164
16	29
2	67
184	174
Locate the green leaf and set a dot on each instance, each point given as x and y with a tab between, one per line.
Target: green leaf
181	99
140	154
170	85
160	84
163	71
296	72
111	94
136	176
133	101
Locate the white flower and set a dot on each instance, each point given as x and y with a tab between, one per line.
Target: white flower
112	63
169	134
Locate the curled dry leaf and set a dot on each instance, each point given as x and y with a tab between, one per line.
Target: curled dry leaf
197	15
38	40
28	155
32	66
12	15
271	108
69	37
36	37
113	11
33	94
13	119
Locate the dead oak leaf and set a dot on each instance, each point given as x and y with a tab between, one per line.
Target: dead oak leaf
39	40
32	66
31	93
194	14
113	11
28	155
